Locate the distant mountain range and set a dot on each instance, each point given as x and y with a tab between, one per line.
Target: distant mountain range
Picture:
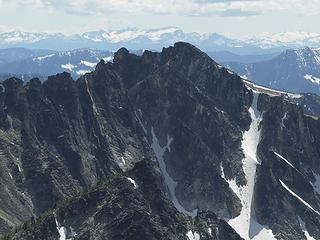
28	63
156	39
31	63
226	56
295	70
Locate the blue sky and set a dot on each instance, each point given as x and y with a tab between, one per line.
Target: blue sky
238	17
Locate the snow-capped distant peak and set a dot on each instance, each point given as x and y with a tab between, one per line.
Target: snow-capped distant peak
43	57
312	79
156	34
15	37
68	66
288	39
88	64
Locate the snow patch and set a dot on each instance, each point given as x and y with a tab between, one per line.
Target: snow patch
108	59
61	230
63	234
304	230
299	198
68	66
171	184
43	57
133	182
82	72
232	182
246	224
193	235
312	79
88	64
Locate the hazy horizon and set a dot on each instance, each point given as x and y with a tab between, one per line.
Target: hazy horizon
252	17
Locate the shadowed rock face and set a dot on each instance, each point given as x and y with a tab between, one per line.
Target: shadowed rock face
184	113
288	132
123	208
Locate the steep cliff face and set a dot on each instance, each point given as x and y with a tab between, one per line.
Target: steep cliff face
185	100
289	173
224	148
62	136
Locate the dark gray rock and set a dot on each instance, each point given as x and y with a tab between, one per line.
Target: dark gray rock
119	209
178	107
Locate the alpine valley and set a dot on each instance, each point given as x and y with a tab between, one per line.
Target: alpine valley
158	145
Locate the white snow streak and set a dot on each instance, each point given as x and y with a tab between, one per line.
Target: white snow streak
246	224
299	198
123	161
278	155
193	235
171	184
133	182
19	168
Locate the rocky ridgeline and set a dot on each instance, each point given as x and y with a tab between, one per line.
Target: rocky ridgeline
214	147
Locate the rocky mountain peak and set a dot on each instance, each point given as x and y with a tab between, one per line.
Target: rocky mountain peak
166	143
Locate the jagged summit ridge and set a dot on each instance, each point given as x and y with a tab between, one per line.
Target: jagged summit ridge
181	110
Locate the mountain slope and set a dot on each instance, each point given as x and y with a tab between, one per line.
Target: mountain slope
293	70
105	211
18	54
222	144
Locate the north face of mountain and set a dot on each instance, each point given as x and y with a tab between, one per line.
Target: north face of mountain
294	71
222	144
173	104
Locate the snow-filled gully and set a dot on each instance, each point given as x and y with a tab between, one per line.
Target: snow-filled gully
246	224
171	184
